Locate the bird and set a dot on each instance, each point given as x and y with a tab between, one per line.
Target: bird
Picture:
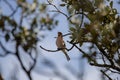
61	45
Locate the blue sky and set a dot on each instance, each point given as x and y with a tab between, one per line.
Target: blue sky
58	58
91	73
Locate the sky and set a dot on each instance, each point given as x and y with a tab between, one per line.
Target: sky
58	58
91	73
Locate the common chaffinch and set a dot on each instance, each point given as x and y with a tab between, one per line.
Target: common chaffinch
61	45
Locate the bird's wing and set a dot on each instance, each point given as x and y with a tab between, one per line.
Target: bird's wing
63	44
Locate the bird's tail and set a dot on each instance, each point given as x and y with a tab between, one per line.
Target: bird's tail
67	57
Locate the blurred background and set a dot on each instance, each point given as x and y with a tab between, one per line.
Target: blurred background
25	25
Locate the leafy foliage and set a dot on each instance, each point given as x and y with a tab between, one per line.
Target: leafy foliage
25	35
21	23
91	21
96	22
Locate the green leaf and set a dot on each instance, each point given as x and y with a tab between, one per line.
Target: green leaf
7	37
22	0
25	47
72	29
111	4
80	44
62	5
92	17
13	23
98	2
56	22
1	23
42	20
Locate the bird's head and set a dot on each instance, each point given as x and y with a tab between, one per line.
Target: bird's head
59	34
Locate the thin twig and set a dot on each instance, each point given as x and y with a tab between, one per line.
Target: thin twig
82	19
106	75
9	5
57	10
106	65
68	17
21	20
57	49
114	71
84	53
6	51
14	11
103	58
49	50
65	35
105	54
82	13
70	48
60	12
35	61
101	65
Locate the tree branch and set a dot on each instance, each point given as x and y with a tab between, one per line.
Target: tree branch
60	12
106	65
57	49
49	50
65	35
114	71
28	72
106	75
6	51
57	10
84	53
101	65
82	19
103	58
105	54
35	61
9	5
14	11
19	59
